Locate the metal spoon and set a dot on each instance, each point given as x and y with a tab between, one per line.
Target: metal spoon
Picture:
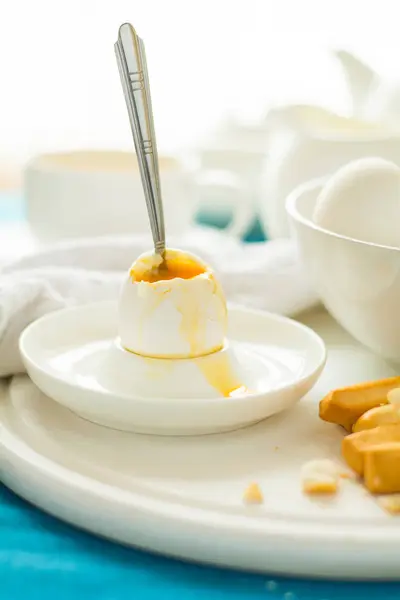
131	59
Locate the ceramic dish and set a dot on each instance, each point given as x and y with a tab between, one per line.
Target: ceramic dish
73	356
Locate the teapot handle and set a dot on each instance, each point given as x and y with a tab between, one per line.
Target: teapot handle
360	78
231	191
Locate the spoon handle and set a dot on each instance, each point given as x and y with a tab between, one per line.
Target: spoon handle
131	59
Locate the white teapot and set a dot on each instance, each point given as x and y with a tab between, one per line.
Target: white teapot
307	142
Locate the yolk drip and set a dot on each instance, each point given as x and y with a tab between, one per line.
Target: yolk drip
193	325
219	374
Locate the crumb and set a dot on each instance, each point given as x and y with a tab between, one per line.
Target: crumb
276	448
327	486
253	494
391	504
320	477
346	475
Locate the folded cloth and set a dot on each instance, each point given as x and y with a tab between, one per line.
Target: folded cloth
263	276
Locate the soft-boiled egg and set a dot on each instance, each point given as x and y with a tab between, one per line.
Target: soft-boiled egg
362	201
173	308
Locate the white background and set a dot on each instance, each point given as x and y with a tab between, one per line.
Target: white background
207	59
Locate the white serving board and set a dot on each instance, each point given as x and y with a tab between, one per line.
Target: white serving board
183	496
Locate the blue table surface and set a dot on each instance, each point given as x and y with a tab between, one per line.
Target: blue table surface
41	557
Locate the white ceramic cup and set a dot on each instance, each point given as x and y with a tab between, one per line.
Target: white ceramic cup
92	193
87	193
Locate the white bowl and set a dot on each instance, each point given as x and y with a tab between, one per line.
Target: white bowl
359	282
71	355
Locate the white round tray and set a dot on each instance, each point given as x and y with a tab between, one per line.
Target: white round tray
183	496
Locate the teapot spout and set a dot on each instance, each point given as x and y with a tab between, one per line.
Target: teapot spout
361	80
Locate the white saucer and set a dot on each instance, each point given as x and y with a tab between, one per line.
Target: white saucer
182	496
72	357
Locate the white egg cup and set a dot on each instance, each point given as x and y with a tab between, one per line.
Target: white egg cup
180	378
74	357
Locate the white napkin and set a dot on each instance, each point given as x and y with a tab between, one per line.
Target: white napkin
264	276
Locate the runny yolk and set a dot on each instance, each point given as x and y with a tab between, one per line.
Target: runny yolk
178	266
